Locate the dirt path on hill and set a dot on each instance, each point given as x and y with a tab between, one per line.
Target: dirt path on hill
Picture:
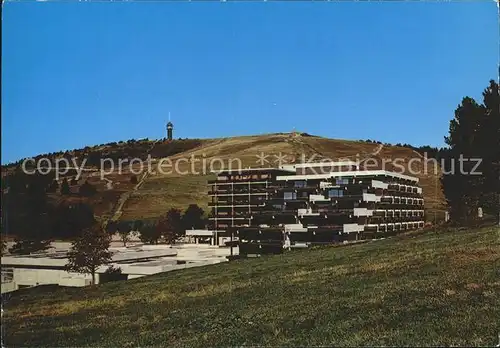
126	195
377	150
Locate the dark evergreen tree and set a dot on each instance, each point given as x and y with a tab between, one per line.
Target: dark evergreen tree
474	136
150	234
193	218
171	225
137	226
65	190
111	227
69	220
87	189
94	159
490	149
17	182
29	246
123	228
53	187
461	188
133	179
32	227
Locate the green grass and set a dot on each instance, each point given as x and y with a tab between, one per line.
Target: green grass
432	288
159	194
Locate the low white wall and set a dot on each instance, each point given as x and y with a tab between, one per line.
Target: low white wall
163	259
8	287
33	277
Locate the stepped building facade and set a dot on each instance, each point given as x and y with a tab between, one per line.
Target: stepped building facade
271	209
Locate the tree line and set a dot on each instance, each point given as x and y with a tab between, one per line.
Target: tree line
169	227
118	150
429	151
70	221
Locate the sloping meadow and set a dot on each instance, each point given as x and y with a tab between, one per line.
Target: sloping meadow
433	288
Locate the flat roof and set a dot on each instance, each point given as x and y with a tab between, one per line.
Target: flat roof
250	170
200	233
60	258
347	173
328	163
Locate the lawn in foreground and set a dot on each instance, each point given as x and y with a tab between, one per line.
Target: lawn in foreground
437	288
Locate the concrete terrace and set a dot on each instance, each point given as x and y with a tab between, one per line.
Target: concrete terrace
136	260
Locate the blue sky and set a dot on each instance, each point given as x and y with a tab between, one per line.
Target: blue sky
77	74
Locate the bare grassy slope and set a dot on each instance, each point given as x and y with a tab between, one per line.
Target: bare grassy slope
436	288
161	192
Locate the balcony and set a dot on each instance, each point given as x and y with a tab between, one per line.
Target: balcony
242	202
242	182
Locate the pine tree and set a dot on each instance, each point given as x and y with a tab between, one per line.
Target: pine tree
490	136
463	190
475	135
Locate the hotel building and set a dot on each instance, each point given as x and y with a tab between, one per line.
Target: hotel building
306	204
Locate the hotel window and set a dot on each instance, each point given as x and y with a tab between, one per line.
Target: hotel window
299	184
341	181
335	193
290	195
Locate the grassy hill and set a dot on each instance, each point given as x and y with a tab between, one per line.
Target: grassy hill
161	192
427	288
120	199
